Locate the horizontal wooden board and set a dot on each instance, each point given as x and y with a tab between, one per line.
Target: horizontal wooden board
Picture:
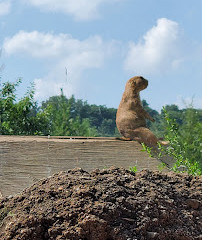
24	160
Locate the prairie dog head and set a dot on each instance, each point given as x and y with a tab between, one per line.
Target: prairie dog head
136	84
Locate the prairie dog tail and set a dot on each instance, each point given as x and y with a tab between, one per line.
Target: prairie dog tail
143	135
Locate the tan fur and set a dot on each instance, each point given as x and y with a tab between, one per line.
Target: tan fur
131	116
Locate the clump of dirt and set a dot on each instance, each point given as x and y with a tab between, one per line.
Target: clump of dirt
112	204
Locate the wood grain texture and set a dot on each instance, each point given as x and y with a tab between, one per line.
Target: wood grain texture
24	160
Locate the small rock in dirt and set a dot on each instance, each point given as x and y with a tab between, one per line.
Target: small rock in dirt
152	235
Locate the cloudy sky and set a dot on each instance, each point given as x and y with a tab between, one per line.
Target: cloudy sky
90	48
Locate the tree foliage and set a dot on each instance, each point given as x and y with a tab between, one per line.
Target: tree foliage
99	119
64	120
20	117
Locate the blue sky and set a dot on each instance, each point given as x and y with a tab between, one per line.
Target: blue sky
90	48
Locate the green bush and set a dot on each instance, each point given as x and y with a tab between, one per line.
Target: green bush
184	143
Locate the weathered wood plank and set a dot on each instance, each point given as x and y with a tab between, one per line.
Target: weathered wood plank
23	160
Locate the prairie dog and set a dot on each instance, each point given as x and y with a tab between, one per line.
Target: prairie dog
131	116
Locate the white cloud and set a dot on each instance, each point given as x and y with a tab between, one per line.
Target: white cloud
61	52
40	45
5	7
79	9
158	51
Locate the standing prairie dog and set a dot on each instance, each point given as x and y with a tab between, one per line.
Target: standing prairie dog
131	116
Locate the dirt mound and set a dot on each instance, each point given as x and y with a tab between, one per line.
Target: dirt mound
112	204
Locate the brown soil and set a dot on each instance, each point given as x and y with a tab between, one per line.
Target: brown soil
112	204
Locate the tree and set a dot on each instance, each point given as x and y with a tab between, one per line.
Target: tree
100	118
64	120
22	117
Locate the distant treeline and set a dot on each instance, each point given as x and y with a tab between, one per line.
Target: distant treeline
73	117
56	116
